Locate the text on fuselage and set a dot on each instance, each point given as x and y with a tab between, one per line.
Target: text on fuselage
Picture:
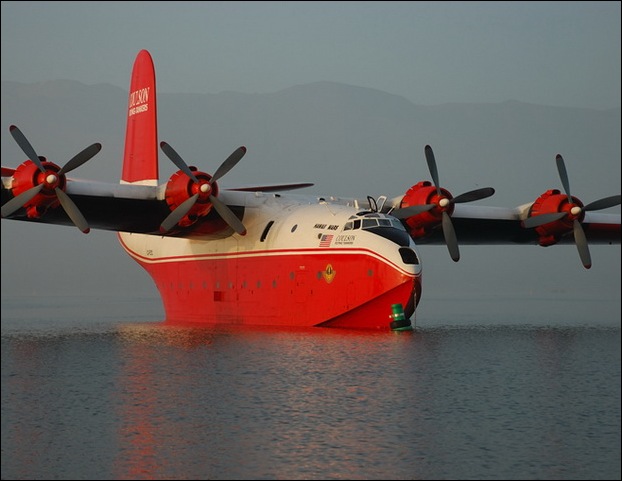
138	101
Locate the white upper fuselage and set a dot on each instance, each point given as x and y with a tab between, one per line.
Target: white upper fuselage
276	222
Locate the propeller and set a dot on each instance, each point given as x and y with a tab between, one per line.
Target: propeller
205	188
575	212
444	203
52	180
473	195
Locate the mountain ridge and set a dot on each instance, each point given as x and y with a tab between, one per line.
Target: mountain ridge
349	141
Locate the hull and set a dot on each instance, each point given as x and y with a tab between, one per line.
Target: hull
346	288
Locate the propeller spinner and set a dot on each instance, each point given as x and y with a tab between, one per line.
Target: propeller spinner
571	211
204	188
50	179
440	205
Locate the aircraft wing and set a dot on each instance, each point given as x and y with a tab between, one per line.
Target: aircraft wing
483	225
117	207
142	208
121	207
433	215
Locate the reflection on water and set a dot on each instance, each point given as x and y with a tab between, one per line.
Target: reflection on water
145	400
267	400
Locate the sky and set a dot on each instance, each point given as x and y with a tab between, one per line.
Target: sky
550	53
565	54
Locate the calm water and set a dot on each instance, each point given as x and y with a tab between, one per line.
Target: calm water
96	390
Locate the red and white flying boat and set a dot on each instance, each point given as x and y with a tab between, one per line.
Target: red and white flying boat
264	256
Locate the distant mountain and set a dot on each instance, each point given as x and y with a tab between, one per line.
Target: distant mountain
348	140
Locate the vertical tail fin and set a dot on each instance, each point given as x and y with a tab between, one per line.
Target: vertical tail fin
140	161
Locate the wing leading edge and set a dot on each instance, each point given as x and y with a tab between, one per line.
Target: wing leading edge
482	225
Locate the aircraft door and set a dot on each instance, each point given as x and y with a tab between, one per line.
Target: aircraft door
301	290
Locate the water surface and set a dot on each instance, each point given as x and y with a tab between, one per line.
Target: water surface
93	393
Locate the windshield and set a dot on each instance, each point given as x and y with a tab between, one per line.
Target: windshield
369	221
379	224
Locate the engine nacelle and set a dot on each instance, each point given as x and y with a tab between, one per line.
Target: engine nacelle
550	202
420	225
28	175
180	188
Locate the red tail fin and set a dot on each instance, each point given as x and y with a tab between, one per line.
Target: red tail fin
140	162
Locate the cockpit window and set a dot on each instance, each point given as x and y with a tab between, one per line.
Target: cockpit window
397	224
372	220
352	225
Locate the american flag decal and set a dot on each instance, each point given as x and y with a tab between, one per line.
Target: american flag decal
325	240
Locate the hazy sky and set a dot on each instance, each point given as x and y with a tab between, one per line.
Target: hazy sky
552	53
549	53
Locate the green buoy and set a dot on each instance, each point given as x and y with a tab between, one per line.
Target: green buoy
399	322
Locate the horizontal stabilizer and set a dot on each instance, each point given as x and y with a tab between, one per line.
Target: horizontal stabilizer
273	188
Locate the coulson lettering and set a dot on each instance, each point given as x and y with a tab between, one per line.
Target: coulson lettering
139	96
138	101
345	239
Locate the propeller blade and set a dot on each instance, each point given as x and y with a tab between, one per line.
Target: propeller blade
174	217
603	203
450	237
581	241
538	220
228	164
22	141
406	212
20	200
228	216
72	211
473	195
80	158
563	175
429	157
178	161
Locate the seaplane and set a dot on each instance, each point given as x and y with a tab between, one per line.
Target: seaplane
264	255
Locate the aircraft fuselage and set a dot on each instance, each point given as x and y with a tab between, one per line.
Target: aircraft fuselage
301	263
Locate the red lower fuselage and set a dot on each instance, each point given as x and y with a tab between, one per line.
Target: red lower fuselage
348	288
